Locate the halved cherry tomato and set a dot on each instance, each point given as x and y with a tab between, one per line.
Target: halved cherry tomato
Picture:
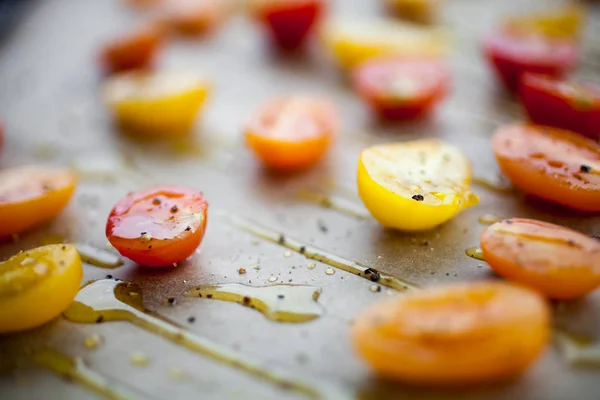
37	285
288	22
160	104
159	226
292	133
136	50
30	196
194	17
424	11
553	164
355	41
402	88
414	186
456	334
559	262
562	103
512	55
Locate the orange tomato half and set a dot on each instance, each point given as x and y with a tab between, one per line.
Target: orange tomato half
553	164
292	133
30	196
133	51
194	17
158	227
559	262
456	334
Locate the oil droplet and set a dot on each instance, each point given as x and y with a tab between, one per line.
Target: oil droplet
375	288
92	341
272	279
311	266
501	185
285	303
139	359
109	300
475	252
489	219
98	257
578	351
74	369
330	271
256	267
287	254
177	374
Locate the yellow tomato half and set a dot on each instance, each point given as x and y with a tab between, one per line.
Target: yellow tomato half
37	285
416	10
557	23
353	42
414	186
157	104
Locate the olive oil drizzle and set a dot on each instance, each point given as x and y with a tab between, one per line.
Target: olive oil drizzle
578	351
314	253
76	370
336	203
475	252
284	303
110	300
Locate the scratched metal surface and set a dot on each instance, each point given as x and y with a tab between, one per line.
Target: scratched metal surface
50	104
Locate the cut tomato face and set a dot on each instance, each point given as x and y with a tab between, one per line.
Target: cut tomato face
352	42
454	334
158	227
414	186
30	196
136	50
194	17
162	104
559	262
562	103
37	285
398	89
512	55
288	22
292	133
553	164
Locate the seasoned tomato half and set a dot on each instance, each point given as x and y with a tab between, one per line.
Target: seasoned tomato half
292	133
288	22
468	333
512	55
30	196
37	285
553	164
559	262
133	51
414	186
402	88
162	104
158	227
562	103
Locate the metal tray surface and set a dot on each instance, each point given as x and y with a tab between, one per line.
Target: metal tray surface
49	100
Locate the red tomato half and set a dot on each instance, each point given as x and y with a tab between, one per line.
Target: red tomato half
562	103
158	227
511	56
136	50
289	22
399	88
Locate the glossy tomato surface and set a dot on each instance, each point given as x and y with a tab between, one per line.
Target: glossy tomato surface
158	227
289	22
550	163
402	88
512	55
562	103
559	262
292	133
133	51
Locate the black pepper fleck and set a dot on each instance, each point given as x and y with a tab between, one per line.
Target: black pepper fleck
246	300
188	228
209	296
191	320
418	197
302	249
174	209
100	319
281	239
372	274
172	300
585	168
280	296
109	276
156	201
507	221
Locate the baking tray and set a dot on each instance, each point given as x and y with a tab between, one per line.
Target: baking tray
204	348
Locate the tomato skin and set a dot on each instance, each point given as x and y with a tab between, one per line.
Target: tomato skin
193	17
311	127
373	80
31	196
559	262
454	335
549	163
547	102
145	227
289	23
135	51
512	55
